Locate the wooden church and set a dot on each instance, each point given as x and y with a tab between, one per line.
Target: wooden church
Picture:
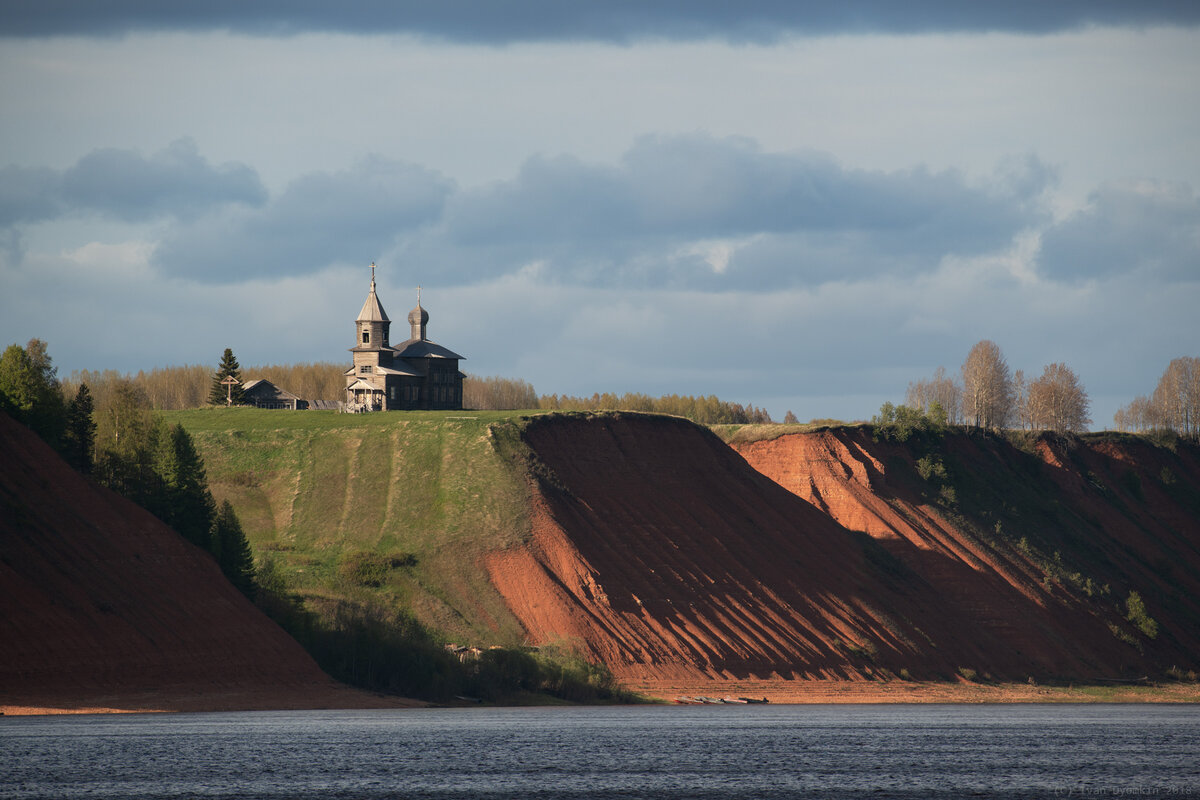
415	374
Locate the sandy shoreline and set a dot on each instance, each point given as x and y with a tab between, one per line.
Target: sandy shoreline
850	692
777	692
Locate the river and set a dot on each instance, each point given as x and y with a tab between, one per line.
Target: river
881	751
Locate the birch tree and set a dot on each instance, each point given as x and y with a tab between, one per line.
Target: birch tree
987	391
1176	399
940	389
1057	401
1021	406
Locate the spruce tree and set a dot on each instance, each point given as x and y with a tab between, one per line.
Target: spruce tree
80	437
189	507
220	394
232	551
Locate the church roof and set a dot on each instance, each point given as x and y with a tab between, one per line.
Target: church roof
372	310
423	348
410	370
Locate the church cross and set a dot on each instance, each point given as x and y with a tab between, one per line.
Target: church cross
229	382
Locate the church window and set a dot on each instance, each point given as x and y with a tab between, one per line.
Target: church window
366	336
365	369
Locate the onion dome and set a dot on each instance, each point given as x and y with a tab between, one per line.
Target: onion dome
418	318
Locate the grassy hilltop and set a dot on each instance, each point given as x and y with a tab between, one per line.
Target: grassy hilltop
396	507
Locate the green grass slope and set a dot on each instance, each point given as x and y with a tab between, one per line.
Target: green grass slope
396	508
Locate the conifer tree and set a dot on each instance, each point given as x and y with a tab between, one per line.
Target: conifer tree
189	507
232	551
222	394
80	436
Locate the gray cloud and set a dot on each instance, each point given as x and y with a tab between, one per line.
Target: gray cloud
1147	227
705	213
613	20
123	184
29	194
321	218
692	212
176	181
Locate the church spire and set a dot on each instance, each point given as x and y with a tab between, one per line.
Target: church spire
372	310
373	326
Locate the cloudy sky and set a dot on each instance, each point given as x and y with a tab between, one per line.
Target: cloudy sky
783	204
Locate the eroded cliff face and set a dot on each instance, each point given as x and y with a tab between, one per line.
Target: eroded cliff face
664	553
1075	526
98	597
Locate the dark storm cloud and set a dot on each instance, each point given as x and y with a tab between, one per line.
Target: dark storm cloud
798	217
321	218
122	184
1151	228
606	20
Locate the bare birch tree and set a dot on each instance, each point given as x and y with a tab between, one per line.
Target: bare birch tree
1176	399
1022	410
987	391
940	389
1057	401
496	393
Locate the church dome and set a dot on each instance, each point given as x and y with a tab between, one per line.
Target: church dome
418	316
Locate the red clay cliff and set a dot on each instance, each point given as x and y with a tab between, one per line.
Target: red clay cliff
662	552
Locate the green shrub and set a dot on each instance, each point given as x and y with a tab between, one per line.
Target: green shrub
931	467
899	423
1135	612
365	568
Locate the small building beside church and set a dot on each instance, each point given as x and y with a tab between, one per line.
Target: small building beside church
264	394
415	374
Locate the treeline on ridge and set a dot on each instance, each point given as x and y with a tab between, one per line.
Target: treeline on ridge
706	410
987	394
190	386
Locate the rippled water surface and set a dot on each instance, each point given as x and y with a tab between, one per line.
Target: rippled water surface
627	752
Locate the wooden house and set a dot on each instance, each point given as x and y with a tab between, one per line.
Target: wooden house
264	394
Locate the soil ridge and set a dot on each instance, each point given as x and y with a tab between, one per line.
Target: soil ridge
672	557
